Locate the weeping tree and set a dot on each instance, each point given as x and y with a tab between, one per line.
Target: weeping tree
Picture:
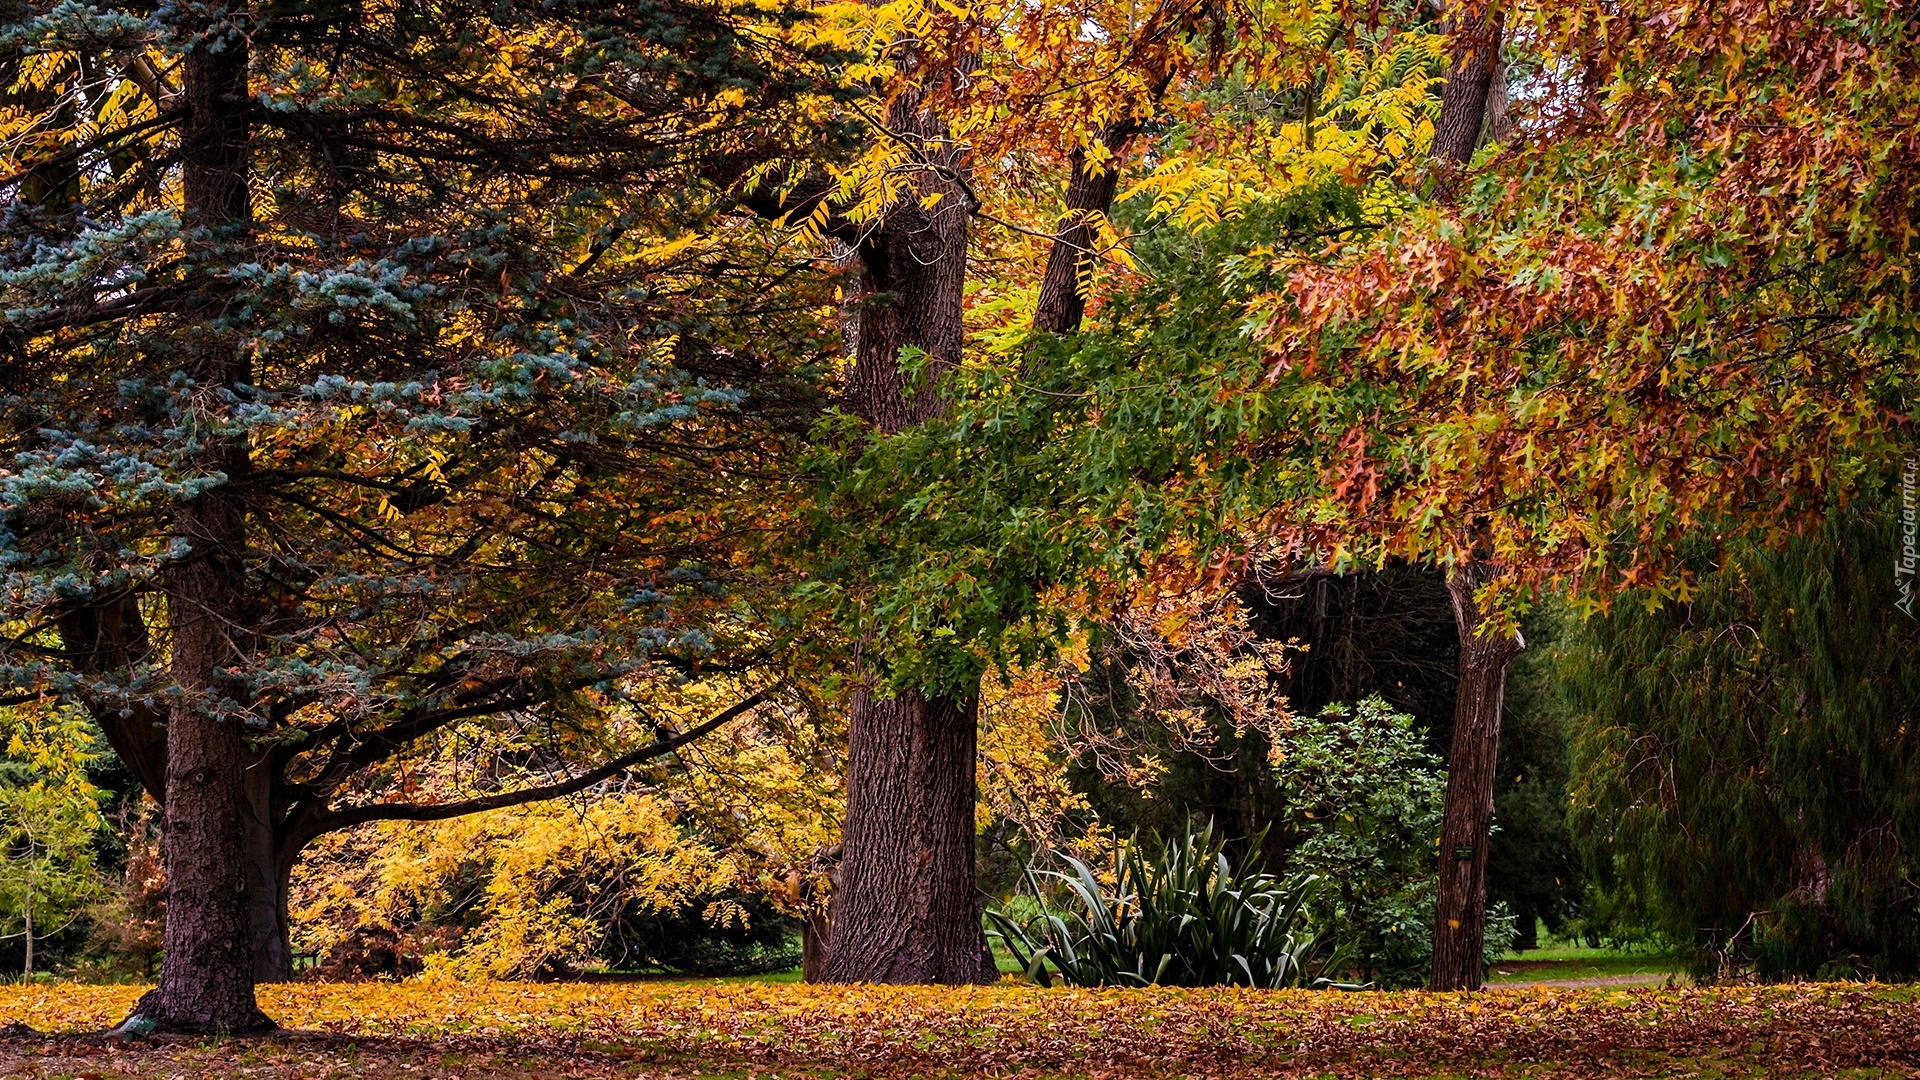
1746	761
372	371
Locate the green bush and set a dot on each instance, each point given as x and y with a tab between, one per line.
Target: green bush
1360	800
1179	914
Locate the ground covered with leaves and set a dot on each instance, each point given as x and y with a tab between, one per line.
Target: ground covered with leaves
678	1029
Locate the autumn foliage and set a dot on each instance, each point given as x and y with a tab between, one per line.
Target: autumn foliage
1679	302
677	1029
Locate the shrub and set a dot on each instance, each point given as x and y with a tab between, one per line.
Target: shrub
1179	914
533	890
1361	806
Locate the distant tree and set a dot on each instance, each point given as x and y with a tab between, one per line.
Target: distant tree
50	826
371	371
1745	760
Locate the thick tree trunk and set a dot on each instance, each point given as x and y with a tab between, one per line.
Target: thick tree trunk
906	909
913	275
206	973
1459	929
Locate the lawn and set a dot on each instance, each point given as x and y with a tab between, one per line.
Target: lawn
550	1031
1564	965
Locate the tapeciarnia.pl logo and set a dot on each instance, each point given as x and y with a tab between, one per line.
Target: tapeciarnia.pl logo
1909	558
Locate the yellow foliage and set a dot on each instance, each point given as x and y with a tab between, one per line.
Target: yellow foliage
540	883
446	1027
1022	772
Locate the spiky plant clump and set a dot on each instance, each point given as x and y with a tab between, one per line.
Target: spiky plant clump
1179	914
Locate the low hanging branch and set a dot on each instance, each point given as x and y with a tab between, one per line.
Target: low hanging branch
342	819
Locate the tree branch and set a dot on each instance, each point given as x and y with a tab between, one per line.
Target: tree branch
341	819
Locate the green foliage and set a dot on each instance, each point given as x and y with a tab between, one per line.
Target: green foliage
1360	805
982	537
1362	799
1746	764
1177	913
1532	864
755	938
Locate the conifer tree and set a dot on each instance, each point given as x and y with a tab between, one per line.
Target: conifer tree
372	370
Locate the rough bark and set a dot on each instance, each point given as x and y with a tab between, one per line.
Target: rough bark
813	947
270	861
1460	914
913	272
1090	191
1475	30
207	974
207	970
905	907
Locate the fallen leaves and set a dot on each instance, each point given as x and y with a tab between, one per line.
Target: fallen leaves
671	1028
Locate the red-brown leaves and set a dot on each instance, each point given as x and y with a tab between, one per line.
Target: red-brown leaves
1683	297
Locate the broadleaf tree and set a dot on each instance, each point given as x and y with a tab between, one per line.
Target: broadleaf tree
997	132
1676	306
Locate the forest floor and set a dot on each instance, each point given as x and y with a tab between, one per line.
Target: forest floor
706	1030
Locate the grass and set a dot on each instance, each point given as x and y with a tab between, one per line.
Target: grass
1562	963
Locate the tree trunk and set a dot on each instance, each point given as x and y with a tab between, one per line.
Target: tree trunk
912	286
1089	193
1460	912
206	971
206	974
813	947
269	871
906	909
1475	32
1459	924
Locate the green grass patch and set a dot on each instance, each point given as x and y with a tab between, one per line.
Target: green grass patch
1566	962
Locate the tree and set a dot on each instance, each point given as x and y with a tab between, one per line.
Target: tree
1744	757
1052	107
49	824
373	372
953	79
1625	330
1460	912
